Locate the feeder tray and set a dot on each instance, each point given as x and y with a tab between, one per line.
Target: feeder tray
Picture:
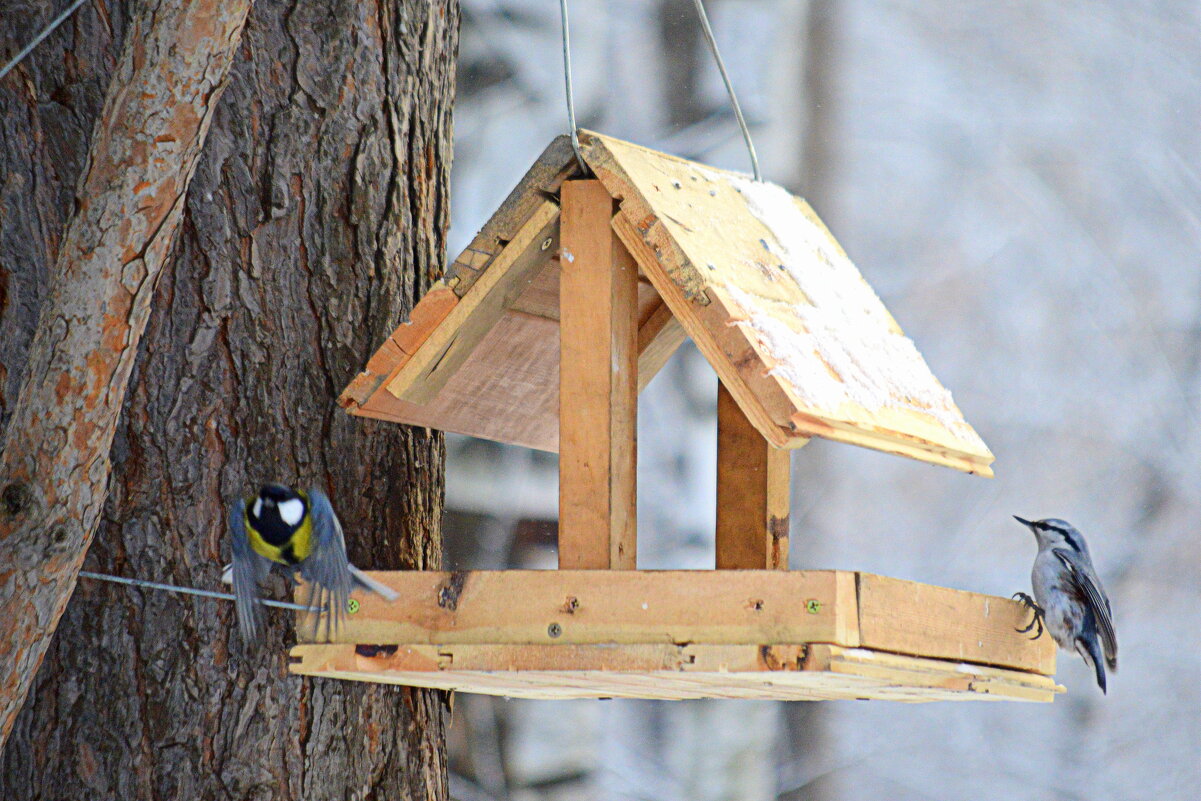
542	333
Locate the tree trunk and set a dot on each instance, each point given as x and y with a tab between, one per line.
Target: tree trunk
54	462
315	220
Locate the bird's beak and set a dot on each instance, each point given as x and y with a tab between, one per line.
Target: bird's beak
1024	521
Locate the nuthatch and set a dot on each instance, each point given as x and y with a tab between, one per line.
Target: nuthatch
1068	596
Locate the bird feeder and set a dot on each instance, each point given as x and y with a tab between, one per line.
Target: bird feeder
541	334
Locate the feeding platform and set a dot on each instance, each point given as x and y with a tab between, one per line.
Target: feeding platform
542	333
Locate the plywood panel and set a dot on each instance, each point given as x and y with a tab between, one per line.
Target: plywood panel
507	390
769	295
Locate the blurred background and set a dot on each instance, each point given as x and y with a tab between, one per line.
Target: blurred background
1021	183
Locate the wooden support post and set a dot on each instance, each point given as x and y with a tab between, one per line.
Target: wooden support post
752	493
598	385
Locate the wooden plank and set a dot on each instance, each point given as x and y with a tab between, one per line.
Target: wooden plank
763	607
752	493
421	377
400	345
912	618
615	606
776	301
664	671
540	182
725	348
659	336
598	386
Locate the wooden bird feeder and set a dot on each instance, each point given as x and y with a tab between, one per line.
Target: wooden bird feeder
542	333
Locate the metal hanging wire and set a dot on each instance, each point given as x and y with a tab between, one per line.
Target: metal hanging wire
575	139
725	77
224	596
37	40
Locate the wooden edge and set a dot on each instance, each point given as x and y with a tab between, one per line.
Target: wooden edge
542	181
946	674
400	345
908	617
814	671
892	442
419	378
682	309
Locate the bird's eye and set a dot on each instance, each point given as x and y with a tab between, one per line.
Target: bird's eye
258	507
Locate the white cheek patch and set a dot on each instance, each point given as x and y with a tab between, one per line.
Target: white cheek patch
258	507
291	511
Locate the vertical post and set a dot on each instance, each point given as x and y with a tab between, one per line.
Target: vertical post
598	385
752	493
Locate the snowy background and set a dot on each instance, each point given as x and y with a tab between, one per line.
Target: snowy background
1021	183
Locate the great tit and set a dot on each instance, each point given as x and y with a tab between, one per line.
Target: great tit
301	532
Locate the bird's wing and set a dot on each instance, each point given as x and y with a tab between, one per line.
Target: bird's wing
248	570
1085	578
326	569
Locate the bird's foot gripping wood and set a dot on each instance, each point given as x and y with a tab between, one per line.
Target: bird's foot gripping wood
1037	611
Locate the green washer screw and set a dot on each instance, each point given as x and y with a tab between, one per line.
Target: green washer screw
813	605
352	605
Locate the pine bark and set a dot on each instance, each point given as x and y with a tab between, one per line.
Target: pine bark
54	461
315	219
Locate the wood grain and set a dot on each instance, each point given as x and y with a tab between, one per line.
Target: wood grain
507	390
764	607
672	672
420	378
598	386
752	493
596	606
908	617
717	263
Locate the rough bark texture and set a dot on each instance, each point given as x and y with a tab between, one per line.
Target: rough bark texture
54	465
315	219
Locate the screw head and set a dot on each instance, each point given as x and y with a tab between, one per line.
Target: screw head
546	243
352	605
554	629
813	605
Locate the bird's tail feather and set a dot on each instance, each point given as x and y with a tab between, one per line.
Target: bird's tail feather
1090	649
361	579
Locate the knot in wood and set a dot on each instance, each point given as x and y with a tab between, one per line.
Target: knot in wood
59	539
16	498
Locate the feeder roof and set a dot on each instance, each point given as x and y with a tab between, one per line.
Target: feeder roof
747	270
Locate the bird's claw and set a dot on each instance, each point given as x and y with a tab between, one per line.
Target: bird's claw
1037	611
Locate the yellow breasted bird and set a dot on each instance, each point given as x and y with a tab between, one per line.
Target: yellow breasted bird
300	531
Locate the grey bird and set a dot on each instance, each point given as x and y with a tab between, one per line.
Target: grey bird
1068	596
300	532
